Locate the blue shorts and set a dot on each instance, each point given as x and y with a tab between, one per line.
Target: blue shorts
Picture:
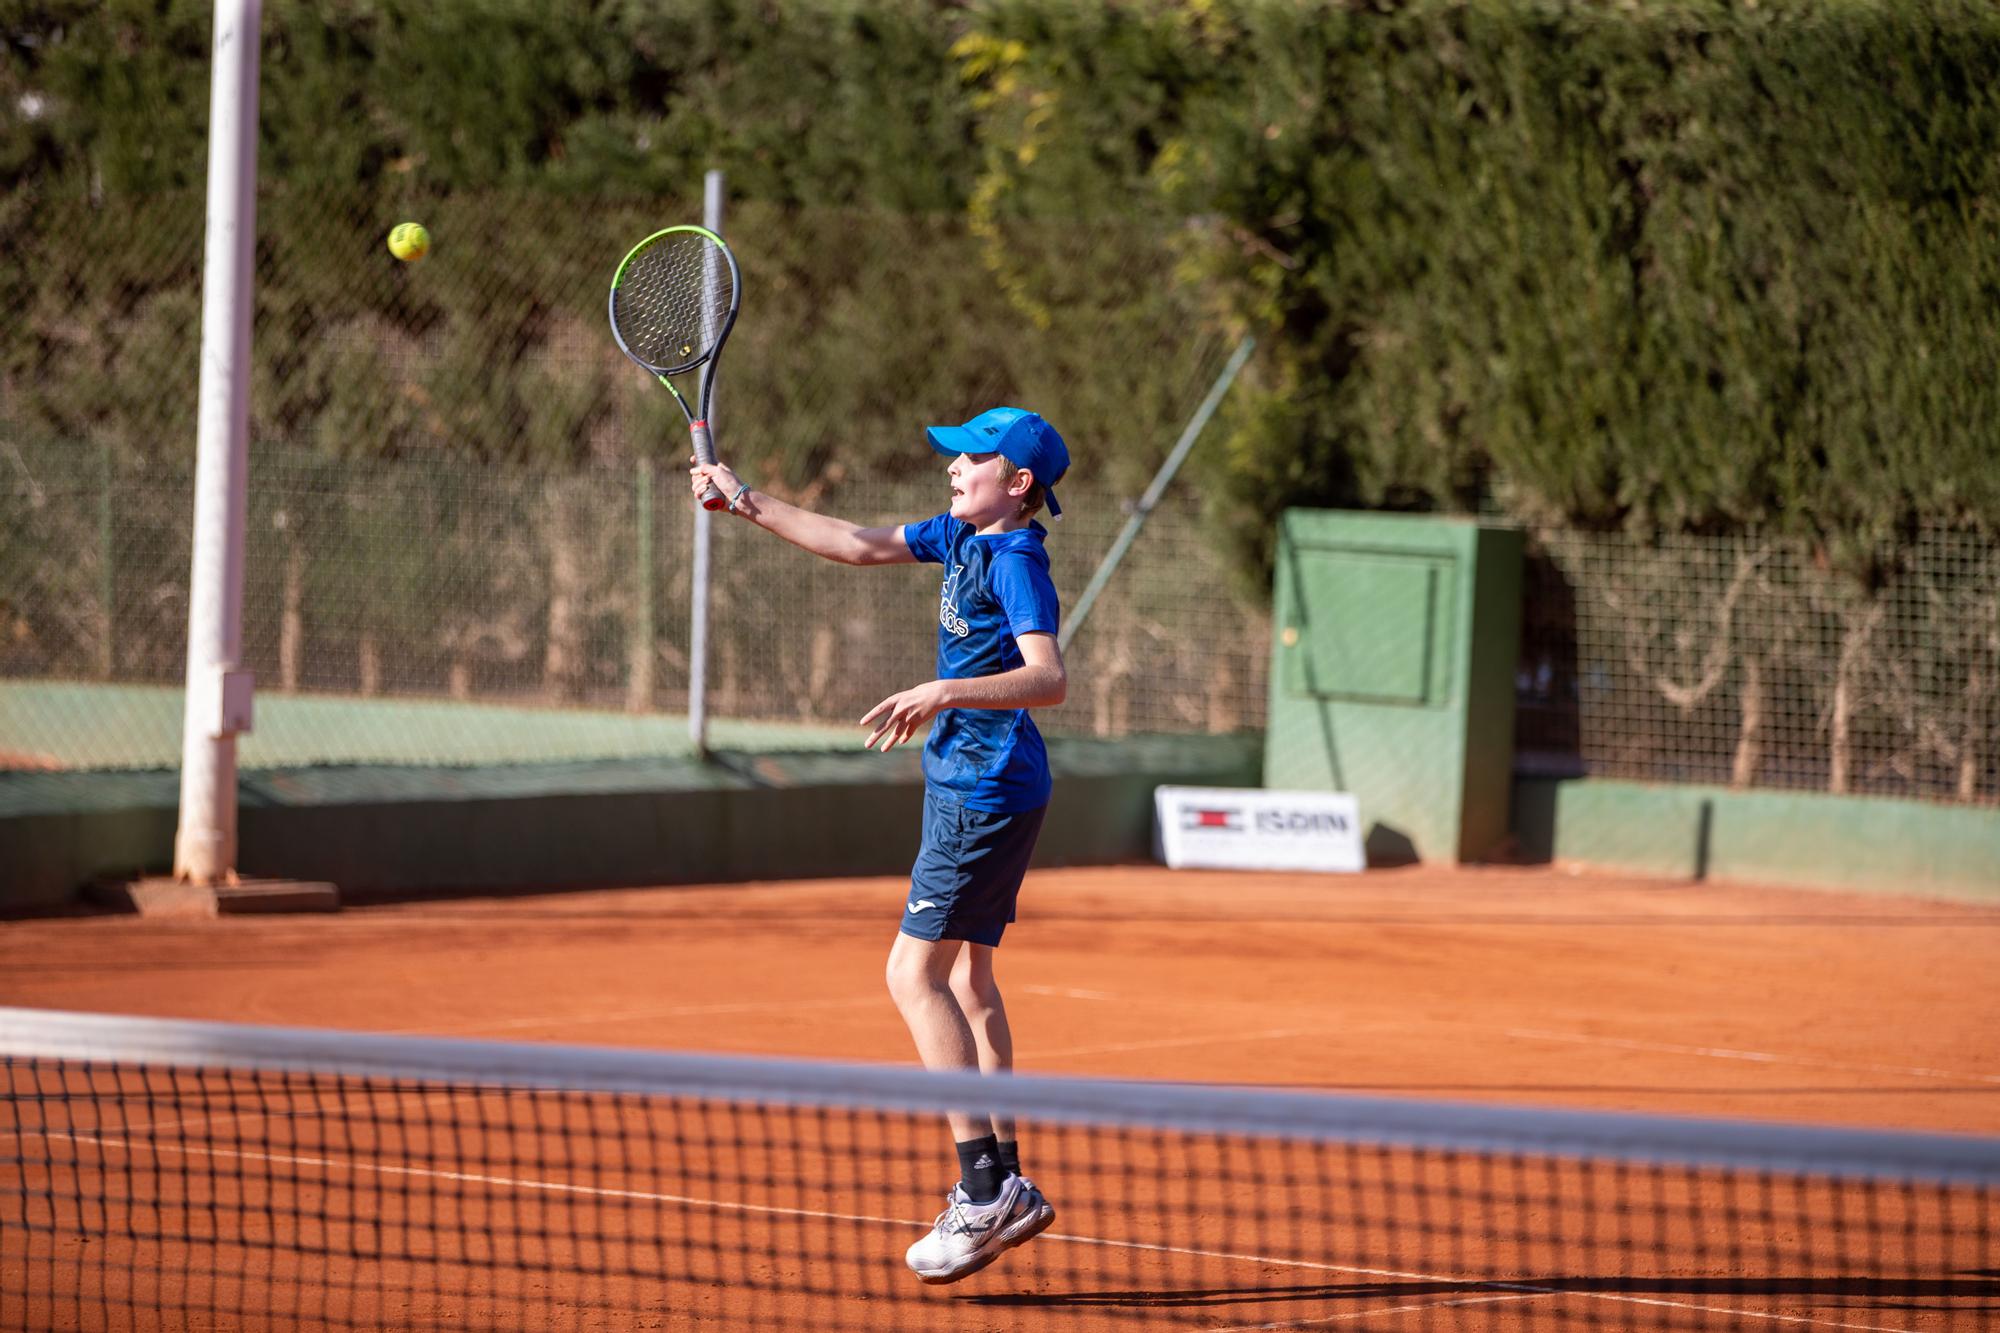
969	871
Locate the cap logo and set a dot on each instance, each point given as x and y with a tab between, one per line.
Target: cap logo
991	430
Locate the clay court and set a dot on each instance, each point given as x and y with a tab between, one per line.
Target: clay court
1508	985
1528	987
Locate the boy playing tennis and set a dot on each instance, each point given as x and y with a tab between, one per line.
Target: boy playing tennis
986	779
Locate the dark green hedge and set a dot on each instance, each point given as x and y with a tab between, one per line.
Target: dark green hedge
1661	266
801	103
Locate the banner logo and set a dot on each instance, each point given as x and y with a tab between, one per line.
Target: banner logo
1251	828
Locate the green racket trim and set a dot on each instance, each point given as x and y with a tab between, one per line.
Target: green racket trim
728	319
630	255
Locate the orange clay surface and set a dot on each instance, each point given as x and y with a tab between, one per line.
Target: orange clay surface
1491	984
1503	985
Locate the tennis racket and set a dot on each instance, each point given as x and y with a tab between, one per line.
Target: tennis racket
673	302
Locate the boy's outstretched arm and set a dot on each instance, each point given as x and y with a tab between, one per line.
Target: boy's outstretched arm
822	534
1039	682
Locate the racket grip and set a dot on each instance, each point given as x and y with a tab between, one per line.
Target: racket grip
704	452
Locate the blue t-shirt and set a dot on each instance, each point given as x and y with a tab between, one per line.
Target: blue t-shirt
996	588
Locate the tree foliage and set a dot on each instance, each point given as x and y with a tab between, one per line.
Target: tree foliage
1680	266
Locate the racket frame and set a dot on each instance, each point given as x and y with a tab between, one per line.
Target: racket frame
711	356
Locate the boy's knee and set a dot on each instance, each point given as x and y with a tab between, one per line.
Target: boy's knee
907	979
895	978
978	998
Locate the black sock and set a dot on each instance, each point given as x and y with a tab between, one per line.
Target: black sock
1010	1156
979	1169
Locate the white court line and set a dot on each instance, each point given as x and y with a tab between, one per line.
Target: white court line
1419	1308
1213	1039
1532	1034
1757	1057
252	1117
1267	1034
474	1178
1527	1288
1739	1314
634	1015
1535	1295
1067	992
723	1205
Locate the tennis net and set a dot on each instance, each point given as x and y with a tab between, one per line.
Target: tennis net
197	1175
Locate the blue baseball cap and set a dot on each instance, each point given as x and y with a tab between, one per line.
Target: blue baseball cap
1019	436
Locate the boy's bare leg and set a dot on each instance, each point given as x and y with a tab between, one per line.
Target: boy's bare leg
978	997
919	976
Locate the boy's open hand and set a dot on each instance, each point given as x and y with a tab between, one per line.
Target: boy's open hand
897	717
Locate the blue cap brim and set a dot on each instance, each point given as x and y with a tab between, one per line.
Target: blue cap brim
953	440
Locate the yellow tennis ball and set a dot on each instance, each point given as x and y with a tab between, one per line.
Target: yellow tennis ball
409	242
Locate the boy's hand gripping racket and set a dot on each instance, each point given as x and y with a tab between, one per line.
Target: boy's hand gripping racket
673	302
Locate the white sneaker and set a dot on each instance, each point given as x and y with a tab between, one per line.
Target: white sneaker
1036	1216
968	1236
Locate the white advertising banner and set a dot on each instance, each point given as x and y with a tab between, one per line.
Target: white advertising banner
1251	828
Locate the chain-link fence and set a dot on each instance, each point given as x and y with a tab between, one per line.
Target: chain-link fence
532	598
857	327
467	512
461	492
1762	662
547	617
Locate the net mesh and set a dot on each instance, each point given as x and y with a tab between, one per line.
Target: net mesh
672	300
199	1176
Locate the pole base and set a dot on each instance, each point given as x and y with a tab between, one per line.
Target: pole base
162	896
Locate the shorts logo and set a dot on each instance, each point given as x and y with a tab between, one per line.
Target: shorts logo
920	905
1231	820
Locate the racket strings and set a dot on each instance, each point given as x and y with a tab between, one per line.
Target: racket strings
672	304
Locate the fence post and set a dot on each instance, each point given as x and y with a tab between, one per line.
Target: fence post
107	582
639	693
711	217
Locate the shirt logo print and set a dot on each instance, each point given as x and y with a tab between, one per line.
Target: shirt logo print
948	615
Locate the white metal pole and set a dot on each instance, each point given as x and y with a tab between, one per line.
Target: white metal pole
711	218
218	691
